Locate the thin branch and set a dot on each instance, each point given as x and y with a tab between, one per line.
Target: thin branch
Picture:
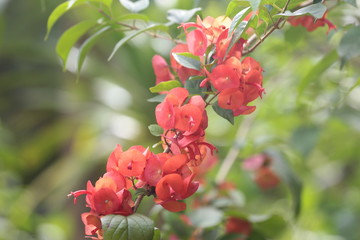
138	201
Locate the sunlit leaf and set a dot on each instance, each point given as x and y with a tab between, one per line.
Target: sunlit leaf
224	113
180	15
239	30
155	130
135	6
317	10
88	44
165	86
157	234
254	4
236	6
134	34
238	19
135	226
70	37
66	6
188	60
205	217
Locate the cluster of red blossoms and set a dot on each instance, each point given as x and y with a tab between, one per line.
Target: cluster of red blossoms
234	80
310	23
174	174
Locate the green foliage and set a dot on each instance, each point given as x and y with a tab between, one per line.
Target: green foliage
349	46
206	217
224	113
180	15
187	60
135	6
165	86
156	130
135	226
317	10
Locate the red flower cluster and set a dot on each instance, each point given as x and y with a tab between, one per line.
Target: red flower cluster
310	23
236	82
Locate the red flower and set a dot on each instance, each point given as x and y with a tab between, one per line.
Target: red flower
223	76
231	98
161	69
310	23
238	225
266	179
197	42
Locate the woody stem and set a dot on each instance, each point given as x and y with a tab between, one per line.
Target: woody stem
138	201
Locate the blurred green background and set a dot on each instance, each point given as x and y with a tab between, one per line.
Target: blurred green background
57	132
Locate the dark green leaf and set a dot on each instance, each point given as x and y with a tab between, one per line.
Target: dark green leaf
180	15
136	226
205	217
135	6
349	46
156	130
88	44
70	37
134	34
165	86
317	10
158	98
66	6
224	113
254	4
188	60
238	19
193	85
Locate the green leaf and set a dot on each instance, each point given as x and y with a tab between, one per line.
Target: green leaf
193	85
188	60
136	226
180	15
158	98
165	86
156	130
205	217
317	10
134	34
314	73
349	46
70	37
224	113
235	6
66	6
240	29
254	4
238	19
88	44
135	6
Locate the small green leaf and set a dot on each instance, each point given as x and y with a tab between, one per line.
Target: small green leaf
66	6
238	19
158	98
349	46
156	130
165	86
193	85
135	6
317	10
180	15
224	113
134	34
136	226
70	37
188	60
235	6
205	217
254	4
88	44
